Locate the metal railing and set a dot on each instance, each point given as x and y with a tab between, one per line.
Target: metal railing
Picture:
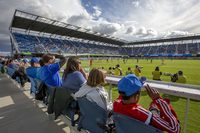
180	90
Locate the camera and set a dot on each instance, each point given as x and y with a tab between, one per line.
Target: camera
174	77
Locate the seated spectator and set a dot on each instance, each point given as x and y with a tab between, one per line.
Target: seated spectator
32	71
49	73
156	74
94	90
74	76
118	70
129	71
21	74
25	63
181	78
162	116
11	64
3	68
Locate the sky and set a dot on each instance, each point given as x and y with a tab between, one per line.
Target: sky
125	19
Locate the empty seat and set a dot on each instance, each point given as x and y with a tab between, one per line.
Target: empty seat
92	116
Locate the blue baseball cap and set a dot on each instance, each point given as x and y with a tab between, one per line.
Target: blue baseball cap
34	60
130	84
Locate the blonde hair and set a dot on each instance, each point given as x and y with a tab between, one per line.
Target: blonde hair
96	77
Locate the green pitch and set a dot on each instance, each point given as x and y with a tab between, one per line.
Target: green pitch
190	68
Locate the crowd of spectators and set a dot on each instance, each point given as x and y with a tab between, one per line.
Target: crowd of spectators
79	84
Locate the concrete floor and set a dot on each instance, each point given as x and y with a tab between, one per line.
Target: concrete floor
19	114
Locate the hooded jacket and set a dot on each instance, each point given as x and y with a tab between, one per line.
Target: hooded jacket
95	94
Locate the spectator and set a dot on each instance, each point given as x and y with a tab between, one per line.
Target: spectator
49	73
156	74
41	63
74	76
3	68
32	71
137	70
129	89
129	71
21	74
181	78
25	63
94	90
11	64
118	70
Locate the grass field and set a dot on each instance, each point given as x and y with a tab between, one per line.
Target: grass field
190	68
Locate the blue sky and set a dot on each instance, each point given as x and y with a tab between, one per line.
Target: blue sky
126	19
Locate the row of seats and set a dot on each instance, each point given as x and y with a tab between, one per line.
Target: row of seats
35	44
192	48
95	122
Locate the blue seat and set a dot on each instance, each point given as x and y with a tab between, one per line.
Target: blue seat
92	116
10	71
125	124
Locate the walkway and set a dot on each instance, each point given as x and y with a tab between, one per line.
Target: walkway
19	114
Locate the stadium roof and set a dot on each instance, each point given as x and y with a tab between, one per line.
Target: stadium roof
184	38
31	22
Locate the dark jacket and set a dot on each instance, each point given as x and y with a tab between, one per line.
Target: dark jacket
59	100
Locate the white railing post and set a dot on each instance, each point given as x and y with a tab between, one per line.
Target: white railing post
186	115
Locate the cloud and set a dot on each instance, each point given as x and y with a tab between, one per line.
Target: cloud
130	30
141	31
80	20
97	12
106	28
152	32
60	10
136	3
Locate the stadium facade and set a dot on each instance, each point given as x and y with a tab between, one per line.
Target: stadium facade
31	33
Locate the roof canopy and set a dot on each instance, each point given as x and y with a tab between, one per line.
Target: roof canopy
31	22
27	21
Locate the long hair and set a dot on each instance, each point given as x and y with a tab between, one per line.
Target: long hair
96	77
72	65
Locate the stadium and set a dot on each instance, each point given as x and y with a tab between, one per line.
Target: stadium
34	36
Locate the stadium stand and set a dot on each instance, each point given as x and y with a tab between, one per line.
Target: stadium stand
28	34
38	44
